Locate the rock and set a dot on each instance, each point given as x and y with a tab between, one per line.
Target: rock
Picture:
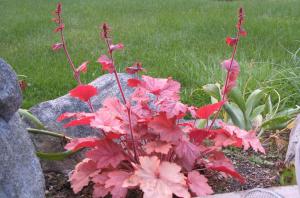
10	92
47	112
20	171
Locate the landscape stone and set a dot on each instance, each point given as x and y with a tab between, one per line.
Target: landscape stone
20	171
10	92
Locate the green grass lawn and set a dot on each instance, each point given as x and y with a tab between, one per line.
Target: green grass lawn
179	38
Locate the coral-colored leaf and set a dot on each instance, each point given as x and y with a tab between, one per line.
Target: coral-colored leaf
115	182
157	147
83	67
158	179
166	128
166	88
231	41
248	139
99	185
187	153
107	64
57	46
78	143
198	184
82	174
133	82
118	46
136	67
206	111
172	108
84	92
107	153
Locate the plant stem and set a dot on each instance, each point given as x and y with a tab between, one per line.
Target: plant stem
124	99
46	132
227	77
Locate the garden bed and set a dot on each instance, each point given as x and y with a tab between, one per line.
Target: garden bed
260	171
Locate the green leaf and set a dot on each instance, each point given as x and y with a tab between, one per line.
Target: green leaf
236	96
56	156
258	110
236	115
213	90
268	107
289	112
31	118
253	100
276	123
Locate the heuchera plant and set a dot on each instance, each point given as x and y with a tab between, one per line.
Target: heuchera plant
144	141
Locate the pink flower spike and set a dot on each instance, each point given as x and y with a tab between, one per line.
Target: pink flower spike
57	46
118	46
58	8
59	28
231	41
83	67
243	32
107	64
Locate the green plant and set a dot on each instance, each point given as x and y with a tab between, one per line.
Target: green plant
257	111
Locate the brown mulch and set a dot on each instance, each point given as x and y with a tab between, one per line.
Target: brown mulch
260	171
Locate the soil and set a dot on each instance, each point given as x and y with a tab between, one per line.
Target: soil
260	171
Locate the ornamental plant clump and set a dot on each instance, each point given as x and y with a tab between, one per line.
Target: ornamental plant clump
144	141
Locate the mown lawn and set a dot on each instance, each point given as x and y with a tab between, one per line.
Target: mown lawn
179	38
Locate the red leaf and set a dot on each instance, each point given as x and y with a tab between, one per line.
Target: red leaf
206	111
83	67
198	135
133	82
135	68
107	64
84	92
198	184
118	46
65	116
231	41
59	28
82	174
78	143
107	153
218	162
57	46
79	121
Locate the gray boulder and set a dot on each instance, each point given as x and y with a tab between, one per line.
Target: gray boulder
47	112
20	171
10	93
